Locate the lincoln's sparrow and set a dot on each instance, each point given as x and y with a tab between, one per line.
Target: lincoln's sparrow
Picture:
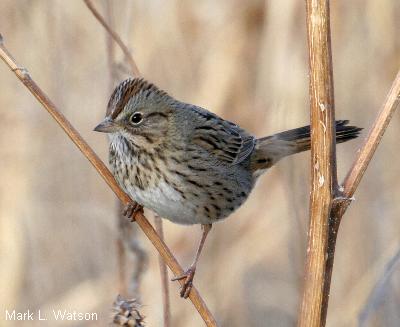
186	163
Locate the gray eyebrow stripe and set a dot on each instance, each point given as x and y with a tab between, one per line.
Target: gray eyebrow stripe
157	114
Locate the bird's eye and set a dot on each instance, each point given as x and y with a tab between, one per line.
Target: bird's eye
136	118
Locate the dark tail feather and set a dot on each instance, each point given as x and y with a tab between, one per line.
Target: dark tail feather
271	149
302	137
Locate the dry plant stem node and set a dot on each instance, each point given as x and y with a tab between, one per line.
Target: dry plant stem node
102	169
323	162
329	204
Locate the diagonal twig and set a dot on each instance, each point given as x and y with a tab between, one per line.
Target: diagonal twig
115	37
356	173
371	142
102	169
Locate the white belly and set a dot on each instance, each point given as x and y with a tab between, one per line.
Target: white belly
165	201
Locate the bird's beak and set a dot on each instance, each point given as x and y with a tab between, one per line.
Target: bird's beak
106	126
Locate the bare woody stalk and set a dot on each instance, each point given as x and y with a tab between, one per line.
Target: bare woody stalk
355	175
112	35
102	169
323	160
371	143
324	224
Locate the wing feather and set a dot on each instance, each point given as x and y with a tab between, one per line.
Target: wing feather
222	139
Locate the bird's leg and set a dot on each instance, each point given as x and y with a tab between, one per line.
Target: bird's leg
188	275
131	209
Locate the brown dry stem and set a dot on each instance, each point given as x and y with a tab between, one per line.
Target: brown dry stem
323	159
102	169
328	203
354	176
371	142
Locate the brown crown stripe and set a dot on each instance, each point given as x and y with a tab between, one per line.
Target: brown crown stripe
125	91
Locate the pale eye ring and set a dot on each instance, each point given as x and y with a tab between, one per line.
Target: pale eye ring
136	118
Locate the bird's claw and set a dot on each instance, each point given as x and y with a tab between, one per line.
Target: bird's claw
188	276
131	209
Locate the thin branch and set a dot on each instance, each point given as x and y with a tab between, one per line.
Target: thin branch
315	314
372	141
164	276
351	182
102	169
323	232
357	171
115	36
323	162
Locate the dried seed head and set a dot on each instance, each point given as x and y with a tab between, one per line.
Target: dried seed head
126	313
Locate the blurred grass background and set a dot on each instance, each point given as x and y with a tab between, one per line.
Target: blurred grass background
244	60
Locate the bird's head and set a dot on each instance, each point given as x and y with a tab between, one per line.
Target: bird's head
138	111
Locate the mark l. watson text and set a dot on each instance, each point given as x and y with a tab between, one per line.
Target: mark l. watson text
53	315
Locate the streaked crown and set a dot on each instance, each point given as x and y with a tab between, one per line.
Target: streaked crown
129	89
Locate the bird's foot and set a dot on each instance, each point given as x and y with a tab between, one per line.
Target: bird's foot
188	276
131	209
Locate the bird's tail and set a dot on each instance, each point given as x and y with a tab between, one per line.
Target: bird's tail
269	150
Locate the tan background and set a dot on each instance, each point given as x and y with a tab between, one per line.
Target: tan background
245	60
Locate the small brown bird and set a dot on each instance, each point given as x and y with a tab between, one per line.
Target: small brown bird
187	164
